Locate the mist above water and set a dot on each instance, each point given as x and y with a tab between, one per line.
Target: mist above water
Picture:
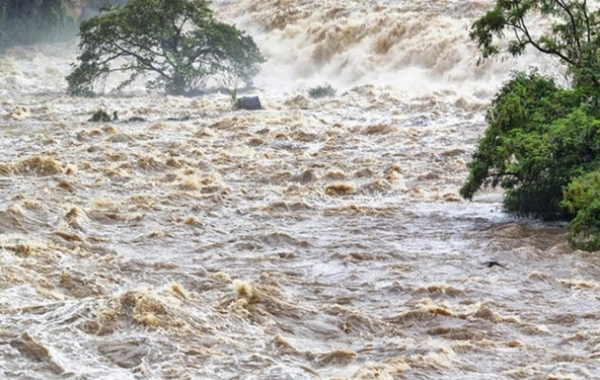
412	48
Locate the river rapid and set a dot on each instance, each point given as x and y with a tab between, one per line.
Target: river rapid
314	239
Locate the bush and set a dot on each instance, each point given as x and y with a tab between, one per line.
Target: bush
321	91
582	199
178	41
537	138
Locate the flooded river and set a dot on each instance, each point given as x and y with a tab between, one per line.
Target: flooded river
314	239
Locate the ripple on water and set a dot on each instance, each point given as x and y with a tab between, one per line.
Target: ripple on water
315	238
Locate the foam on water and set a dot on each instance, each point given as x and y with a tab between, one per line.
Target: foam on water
413	48
316	238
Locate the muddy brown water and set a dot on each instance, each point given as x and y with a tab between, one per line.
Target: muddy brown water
317	238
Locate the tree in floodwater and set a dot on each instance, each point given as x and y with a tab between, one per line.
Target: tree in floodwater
178	42
542	143
31	21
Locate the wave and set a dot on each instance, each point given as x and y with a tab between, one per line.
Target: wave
414	48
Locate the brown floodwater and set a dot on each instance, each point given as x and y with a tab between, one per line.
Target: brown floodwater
314	239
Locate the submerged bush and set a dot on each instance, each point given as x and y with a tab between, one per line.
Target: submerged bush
321	91
542	145
537	139
582	199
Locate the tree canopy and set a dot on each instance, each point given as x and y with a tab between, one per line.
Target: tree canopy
176	44
573	38
542	142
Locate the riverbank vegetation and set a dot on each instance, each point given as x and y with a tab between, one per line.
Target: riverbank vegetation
542	142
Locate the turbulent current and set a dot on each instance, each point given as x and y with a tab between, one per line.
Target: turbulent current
313	239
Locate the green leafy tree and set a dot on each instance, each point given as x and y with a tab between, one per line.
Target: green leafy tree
573	38
178	41
526	148
542	143
582	198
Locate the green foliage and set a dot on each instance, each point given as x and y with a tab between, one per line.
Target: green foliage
321	91
178	41
573	36
542	143
102	115
538	136
31	21
582	199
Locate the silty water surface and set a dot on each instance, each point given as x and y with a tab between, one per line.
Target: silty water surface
313	239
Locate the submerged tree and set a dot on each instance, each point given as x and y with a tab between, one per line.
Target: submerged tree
542	143
178	41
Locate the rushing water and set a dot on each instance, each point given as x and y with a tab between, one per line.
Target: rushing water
312	239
